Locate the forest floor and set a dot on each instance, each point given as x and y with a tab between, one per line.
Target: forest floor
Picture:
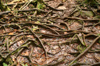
53	33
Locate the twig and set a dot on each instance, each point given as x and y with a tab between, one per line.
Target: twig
81	40
84	51
96	64
15	41
34	35
28	23
78	64
31	54
76	18
53	8
5	56
34	9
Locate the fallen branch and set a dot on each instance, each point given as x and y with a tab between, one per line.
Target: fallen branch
26	10
76	18
34	35
84	51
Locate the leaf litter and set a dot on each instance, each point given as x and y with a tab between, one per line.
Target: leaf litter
50	33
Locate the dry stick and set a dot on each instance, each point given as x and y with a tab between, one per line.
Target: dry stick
19	52
76	18
91	34
47	27
79	64
84	38
66	25
73	11
25	5
97	24
75	31
80	39
11	4
15	35
26	10
8	43
2	22
7	35
5	56
32	24
15	41
94	51
21	35
56	63
58	33
31	54
96	64
84	51
31	2
60	22
53	8
38	40
50	25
